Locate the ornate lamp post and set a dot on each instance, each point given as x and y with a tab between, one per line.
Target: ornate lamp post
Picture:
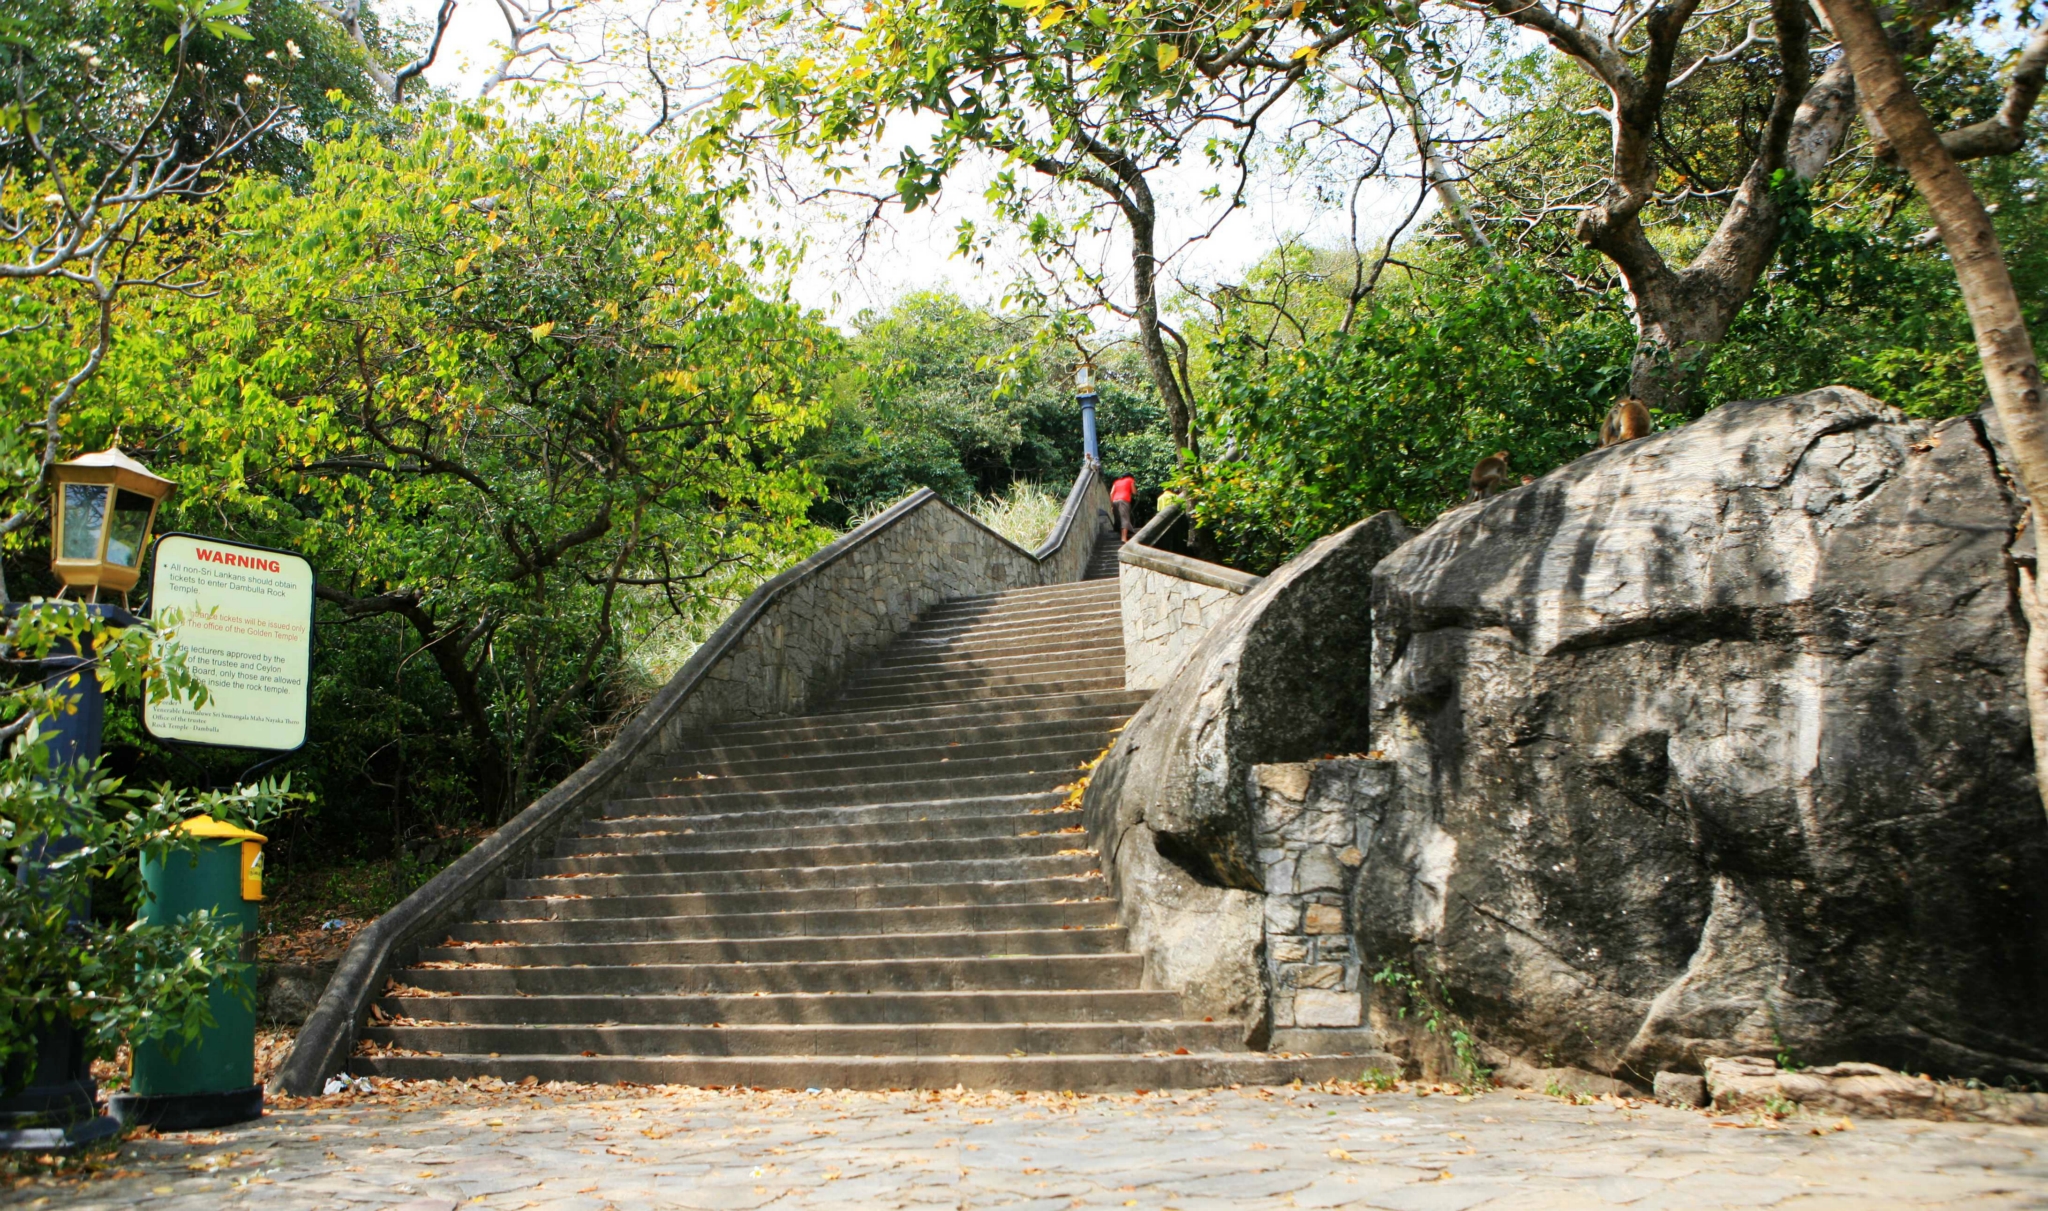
103	509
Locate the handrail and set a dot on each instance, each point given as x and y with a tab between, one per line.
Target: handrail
1077	499
1140	553
325	1040
1150	533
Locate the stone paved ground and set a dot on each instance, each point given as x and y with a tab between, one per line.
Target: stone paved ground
435	1148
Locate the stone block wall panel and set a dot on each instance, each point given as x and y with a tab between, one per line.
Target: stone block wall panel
1312	836
1169	602
1165	616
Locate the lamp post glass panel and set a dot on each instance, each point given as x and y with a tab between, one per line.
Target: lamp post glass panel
103	509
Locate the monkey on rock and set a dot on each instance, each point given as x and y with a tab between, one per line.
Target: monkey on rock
1628	420
1488	473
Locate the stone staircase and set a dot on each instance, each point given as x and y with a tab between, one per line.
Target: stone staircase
895	892
1102	561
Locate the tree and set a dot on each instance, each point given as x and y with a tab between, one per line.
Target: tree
965	401
2004	346
494	378
1645	57
1089	99
1338	420
1336	414
89	166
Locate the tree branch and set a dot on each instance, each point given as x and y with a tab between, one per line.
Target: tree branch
2005	132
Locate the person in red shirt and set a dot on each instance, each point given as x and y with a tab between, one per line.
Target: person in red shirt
1120	502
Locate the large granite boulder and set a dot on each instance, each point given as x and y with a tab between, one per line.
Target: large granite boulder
1173	805
1714	744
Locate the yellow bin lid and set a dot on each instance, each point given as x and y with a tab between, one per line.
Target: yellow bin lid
210	828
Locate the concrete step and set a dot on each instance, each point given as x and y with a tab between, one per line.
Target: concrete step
1075	915
885	853
844	977
556	901
686	798
690	839
1103	625
1026	592
1069	596
865	739
894	721
858	700
1004	650
1016	600
1050	672
656	821
1052	638
870	755
832	780
1090	630
813	878
1053	665
772	1009
831	949
990	1039
1102	561
996	655
1078	1073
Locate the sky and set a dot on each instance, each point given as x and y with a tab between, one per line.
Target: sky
917	251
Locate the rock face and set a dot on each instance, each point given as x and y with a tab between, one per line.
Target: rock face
1173	806
1713	744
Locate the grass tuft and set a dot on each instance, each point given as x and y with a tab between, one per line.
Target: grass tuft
1025	514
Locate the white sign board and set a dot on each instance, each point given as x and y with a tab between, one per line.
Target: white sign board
246	623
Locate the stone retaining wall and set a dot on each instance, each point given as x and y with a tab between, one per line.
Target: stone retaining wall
1170	601
1176	807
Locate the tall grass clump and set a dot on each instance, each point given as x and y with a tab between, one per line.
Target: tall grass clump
1025	513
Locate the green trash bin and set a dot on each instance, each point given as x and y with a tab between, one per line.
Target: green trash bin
185	1084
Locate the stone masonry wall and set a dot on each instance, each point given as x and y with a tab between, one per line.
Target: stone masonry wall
1312	839
1164	618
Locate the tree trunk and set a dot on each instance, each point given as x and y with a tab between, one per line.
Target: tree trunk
1681	318
2003	344
494	787
1683	315
1434	170
1152	342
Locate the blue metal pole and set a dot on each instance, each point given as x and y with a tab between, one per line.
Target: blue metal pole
1084	391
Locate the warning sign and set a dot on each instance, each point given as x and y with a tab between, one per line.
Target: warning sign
245	619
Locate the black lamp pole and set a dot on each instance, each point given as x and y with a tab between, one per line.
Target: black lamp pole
55	1108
